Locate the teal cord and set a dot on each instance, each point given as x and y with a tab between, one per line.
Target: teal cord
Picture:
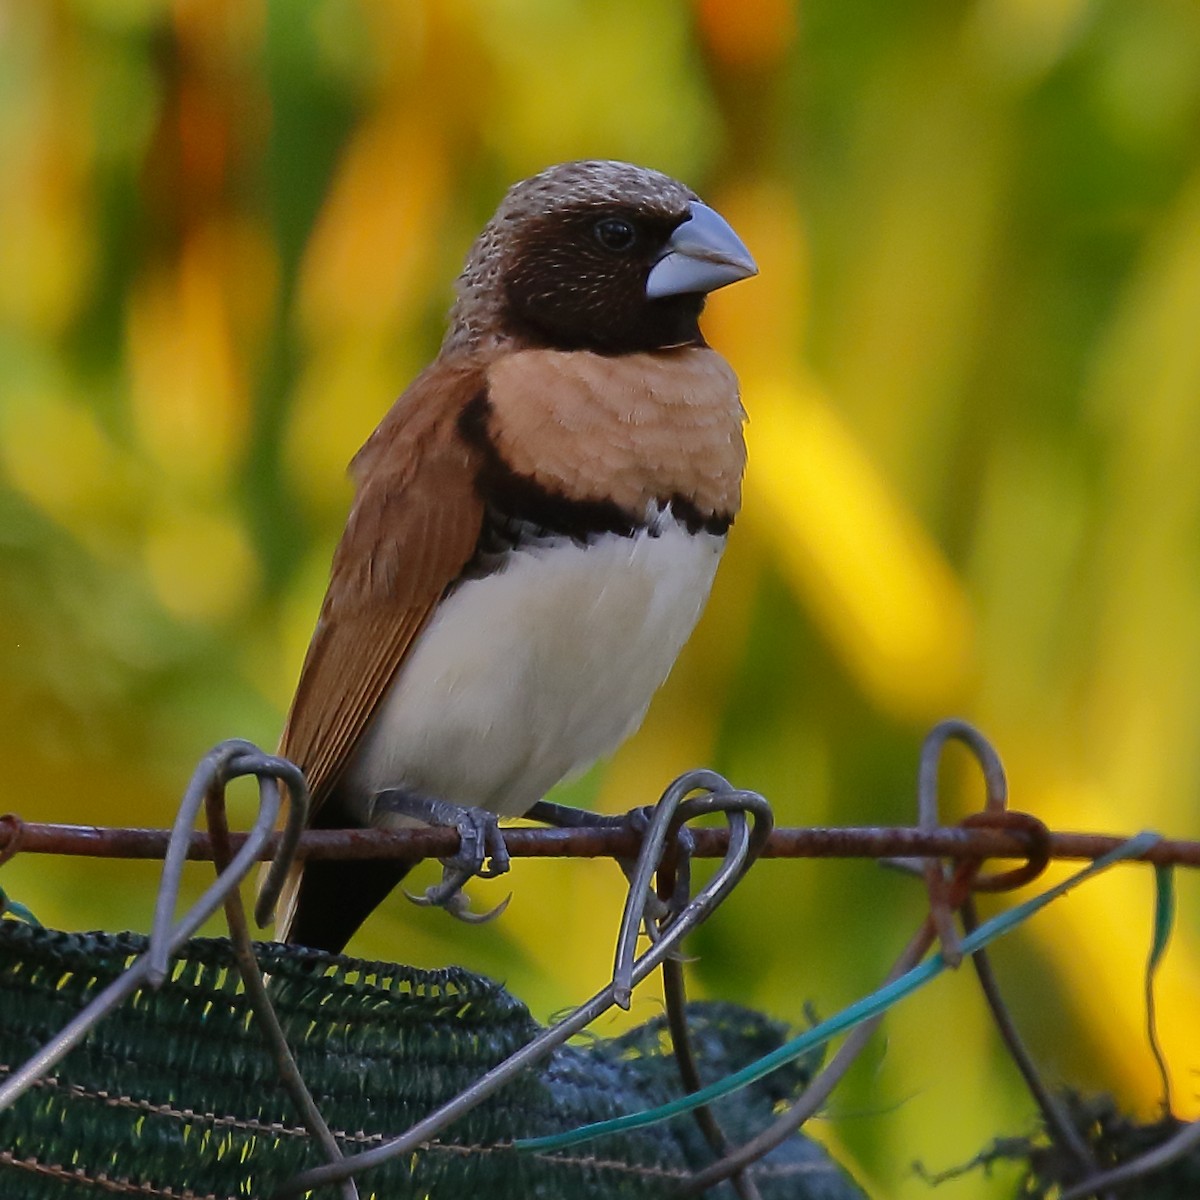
1164	922
861	1010
9	906
1164	915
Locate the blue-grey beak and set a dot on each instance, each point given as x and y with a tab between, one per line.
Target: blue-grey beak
702	255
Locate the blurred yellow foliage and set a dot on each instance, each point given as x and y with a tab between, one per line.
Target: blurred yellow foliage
91	476
877	585
188	395
200	564
369	250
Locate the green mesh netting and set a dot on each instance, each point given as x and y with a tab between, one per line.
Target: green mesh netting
176	1095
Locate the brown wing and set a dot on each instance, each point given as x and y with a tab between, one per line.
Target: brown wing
414	525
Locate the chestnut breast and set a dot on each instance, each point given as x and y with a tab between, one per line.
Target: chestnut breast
635	429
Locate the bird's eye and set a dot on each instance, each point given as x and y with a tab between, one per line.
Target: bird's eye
615	233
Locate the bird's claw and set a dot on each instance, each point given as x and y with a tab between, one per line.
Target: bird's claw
481	851
479	841
456	902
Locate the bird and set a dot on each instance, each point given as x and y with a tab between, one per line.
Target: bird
535	529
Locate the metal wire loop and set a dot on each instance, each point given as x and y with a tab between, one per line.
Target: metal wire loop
223	763
984	753
1033	831
228	761
947	888
667	817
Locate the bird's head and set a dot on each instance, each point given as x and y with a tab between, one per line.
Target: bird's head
596	255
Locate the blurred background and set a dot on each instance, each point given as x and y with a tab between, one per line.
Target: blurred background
228	235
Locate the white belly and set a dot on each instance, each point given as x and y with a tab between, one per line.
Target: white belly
532	673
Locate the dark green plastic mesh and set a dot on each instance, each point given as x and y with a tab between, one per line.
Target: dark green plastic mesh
175	1094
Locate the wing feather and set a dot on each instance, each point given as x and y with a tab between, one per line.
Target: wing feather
414	525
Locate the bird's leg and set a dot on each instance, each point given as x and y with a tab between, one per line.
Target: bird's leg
636	819
563	816
480	843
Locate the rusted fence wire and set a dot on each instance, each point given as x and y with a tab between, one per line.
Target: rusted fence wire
949	859
814	841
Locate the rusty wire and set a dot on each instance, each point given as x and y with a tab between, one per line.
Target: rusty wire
868	841
950	861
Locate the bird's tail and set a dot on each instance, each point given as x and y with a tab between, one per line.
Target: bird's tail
325	901
322	903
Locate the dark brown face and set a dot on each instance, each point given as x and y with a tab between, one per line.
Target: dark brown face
576	279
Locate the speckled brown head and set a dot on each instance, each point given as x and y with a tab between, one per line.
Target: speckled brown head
565	261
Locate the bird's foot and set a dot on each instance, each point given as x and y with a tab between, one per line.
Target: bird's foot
638	821
481	849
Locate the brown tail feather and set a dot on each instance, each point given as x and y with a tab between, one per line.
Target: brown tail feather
322	903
